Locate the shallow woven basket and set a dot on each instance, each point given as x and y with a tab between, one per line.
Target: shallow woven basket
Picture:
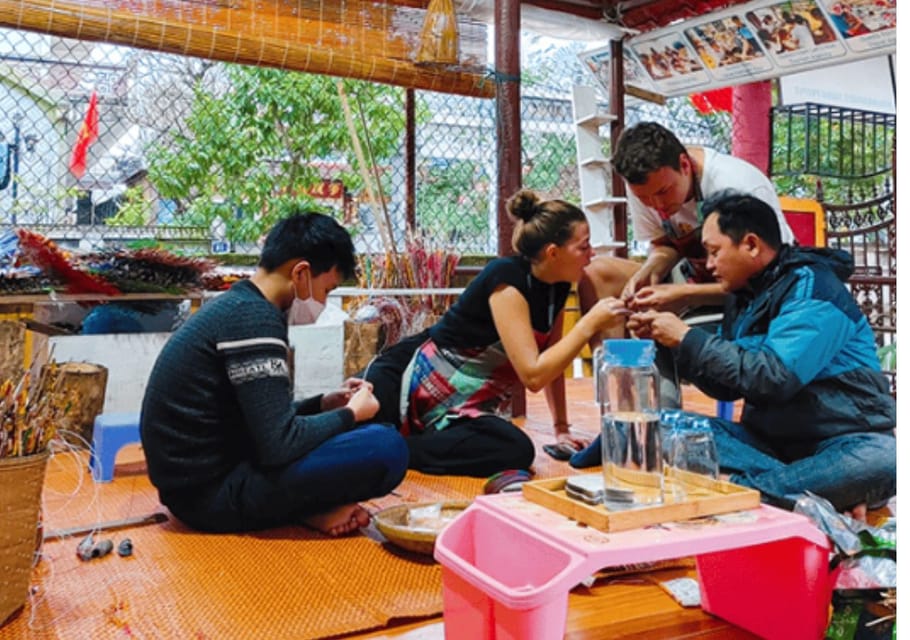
392	523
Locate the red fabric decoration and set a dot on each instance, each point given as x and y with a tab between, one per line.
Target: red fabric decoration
87	135
44	254
713	101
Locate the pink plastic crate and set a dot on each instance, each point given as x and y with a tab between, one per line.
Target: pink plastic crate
789	588
508	566
503	583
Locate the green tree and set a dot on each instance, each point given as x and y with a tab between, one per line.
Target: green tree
134	210
251	146
454	202
850	159
550	164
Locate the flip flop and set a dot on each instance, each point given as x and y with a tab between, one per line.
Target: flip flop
509	480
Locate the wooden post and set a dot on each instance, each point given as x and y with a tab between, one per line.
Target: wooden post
508	133
12	350
618	108
508	116
86	384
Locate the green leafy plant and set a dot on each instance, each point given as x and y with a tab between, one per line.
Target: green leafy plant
454	200
551	163
250	151
134	210
887	356
845	158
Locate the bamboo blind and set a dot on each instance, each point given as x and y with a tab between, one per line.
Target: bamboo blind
363	39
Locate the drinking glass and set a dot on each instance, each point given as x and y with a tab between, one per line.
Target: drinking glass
692	451
669	421
597	360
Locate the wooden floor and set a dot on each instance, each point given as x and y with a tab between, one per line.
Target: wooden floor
630	606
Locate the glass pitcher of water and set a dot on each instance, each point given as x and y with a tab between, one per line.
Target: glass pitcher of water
630	424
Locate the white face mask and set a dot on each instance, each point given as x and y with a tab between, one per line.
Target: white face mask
305	311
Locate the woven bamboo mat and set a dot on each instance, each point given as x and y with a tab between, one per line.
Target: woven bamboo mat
284	583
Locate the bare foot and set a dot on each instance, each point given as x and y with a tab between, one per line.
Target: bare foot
858	512
339	521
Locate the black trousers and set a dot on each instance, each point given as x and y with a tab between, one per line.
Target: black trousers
477	447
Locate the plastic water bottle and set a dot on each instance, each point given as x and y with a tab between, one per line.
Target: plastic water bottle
630	425
597	361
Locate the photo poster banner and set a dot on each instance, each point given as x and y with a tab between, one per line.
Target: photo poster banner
750	42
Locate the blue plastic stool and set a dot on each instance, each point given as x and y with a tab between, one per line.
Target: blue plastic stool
112	432
725	410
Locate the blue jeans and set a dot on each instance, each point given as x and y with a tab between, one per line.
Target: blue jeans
364	463
847	470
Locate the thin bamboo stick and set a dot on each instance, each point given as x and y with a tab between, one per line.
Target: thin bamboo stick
375	169
384	232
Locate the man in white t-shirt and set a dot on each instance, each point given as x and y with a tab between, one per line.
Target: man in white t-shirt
665	183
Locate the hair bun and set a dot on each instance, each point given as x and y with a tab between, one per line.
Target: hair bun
524	205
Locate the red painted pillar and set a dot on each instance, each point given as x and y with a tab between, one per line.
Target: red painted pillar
751	124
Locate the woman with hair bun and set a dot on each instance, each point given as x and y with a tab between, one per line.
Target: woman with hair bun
449	388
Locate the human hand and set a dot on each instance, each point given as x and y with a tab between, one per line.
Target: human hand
363	403
607	311
662	326
639	279
659	263
659	297
353	384
339	398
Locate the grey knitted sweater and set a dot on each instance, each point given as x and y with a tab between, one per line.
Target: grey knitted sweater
220	395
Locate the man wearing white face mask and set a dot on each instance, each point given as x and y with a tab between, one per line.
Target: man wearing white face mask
305	310
226	447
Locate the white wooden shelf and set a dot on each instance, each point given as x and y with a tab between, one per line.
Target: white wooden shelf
595	161
595	171
604	201
595	119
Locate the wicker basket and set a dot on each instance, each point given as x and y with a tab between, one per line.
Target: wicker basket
393	524
21	482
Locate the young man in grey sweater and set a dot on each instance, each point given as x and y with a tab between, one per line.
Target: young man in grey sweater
227	447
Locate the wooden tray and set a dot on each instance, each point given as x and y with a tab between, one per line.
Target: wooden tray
704	497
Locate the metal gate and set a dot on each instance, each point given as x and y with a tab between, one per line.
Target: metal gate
847	155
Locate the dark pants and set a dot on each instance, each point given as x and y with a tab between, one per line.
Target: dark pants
476	447
846	470
367	462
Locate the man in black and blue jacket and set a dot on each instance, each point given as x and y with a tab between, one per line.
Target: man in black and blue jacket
795	346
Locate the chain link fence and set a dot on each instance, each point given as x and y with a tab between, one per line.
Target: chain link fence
202	156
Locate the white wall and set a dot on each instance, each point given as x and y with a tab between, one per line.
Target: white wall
863	84
318	358
129	357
